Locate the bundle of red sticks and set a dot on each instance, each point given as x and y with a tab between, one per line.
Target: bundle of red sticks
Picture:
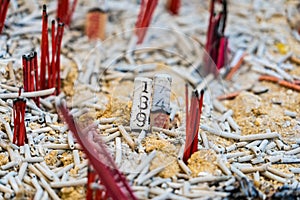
20	136
216	42
52	69
193	116
3	11
144	18
65	11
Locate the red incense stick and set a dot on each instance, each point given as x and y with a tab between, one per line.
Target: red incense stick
3	11
216	42
44	49
173	6
51	69
144	18
19	106
114	182
91	179
192	126
58	40
65	11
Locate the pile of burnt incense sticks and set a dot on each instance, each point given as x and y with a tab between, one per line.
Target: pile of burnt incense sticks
131	87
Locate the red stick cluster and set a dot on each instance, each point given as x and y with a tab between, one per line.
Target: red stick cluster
192	123
94	193
3	10
216	42
144	18
114	181
173	6
50	69
20	136
30	74
64	12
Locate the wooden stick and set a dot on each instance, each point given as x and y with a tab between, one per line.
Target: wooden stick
280	82
228	96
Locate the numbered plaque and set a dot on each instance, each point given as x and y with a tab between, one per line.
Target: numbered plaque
161	100
140	111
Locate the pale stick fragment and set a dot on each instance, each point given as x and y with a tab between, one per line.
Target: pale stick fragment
175	185
46	172
290	113
231	148
274	177
28	94
273	159
255	150
27	151
140	111
233	124
206	193
159	181
295	170
259	136
237	171
279	144
111	136
204	83
35	171
293	151
204	139
118	158
165	131
142	174
7	128
10	88
76	157
50	191
271	145
107	120
263	145
184	167
6	189
22	170
223	166
256	177
181	151
13	183
60	146
219	106
236	154
71	140
208	178
142	165
45	195
41	130
39	191
225	115
126	136
47	104
111	130
261	168
72	183
162	196
220	133
105	127
9	165
279	173
150	174
65	177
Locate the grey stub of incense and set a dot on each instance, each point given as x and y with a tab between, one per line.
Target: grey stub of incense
142	106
